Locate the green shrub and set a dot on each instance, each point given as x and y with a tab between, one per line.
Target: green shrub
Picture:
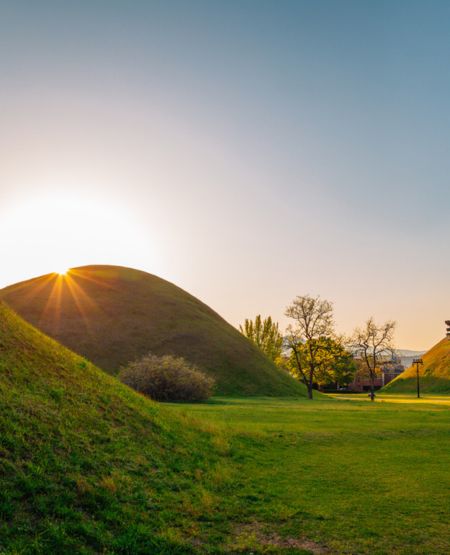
167	378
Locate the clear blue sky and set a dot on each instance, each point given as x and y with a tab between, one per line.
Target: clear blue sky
249	151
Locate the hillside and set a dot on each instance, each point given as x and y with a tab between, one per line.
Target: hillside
434	374
112	315
87	465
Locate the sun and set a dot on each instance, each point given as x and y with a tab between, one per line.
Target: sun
58	231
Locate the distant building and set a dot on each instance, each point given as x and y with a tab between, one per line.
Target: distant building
390	370
362	383
385	374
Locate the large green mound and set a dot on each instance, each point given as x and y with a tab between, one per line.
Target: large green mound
113	315
87	465
434	374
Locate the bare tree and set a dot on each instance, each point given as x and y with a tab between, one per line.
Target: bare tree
314	322
373	343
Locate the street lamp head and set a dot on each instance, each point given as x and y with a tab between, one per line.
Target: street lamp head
417	361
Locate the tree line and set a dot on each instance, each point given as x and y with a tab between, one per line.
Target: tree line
312	351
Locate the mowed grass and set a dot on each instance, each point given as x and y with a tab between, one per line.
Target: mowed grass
348	475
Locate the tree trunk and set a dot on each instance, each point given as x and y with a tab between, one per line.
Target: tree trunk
372	388
310	383
310	386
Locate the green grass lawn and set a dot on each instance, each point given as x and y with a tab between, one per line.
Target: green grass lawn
330	476
87	466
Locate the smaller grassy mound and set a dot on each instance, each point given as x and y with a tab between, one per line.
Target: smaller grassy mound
89	466
434	374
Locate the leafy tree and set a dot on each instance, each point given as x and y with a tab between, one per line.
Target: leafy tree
266	335
343	370
337	364
334	364
372	343
307	338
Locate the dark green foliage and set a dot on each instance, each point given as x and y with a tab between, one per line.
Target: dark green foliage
113	315
333	363
337	366
167	378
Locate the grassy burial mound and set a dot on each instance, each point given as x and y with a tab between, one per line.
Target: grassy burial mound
89	466
434	374
113	315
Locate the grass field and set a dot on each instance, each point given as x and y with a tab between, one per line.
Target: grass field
333	476
88	466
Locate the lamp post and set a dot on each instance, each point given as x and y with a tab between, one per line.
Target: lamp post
417	362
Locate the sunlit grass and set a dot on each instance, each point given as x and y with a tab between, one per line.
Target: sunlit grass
425	399
355	476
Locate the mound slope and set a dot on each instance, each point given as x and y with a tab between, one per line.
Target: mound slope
434	374
113	315
87	465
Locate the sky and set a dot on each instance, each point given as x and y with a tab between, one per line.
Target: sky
248	151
